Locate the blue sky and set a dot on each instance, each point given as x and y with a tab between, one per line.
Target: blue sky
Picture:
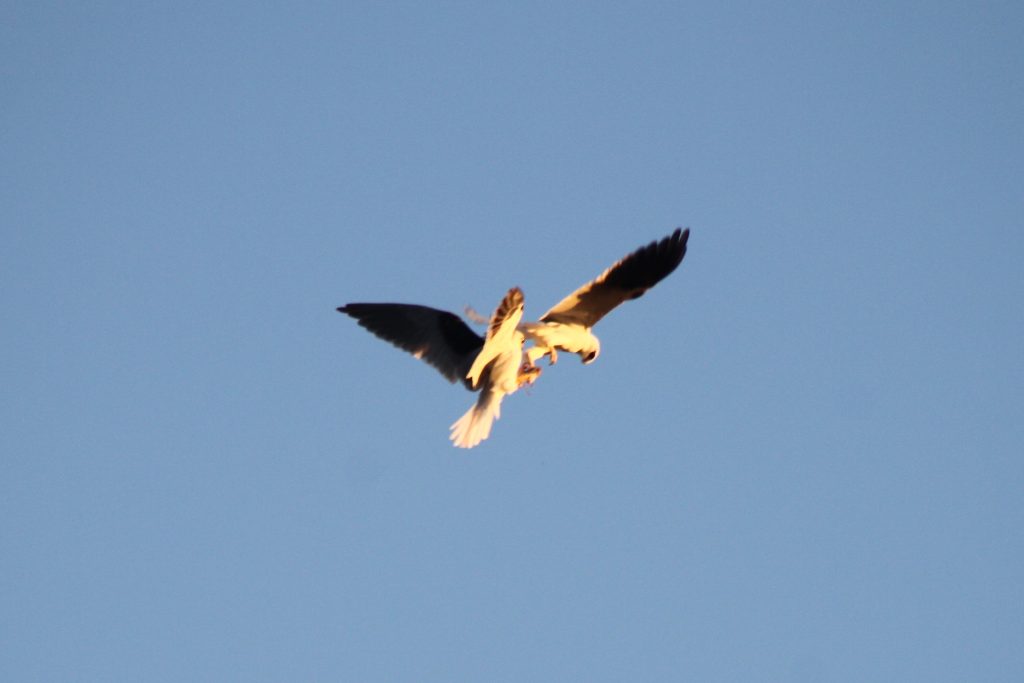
799	458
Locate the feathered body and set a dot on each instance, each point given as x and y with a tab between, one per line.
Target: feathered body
549	336
493	365
496	371
498	380
567	325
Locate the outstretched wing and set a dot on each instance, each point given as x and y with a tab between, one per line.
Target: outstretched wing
440	338
500	333
506	316
627	279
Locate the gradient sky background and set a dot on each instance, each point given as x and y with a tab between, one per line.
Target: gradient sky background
799	458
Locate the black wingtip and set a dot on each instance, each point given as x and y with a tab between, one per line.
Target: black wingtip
681	239
672	247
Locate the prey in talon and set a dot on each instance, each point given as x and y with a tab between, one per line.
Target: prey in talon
528	374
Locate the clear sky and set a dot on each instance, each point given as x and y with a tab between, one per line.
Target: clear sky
799	458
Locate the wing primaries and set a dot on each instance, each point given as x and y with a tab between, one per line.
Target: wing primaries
510	305
627	279
503	325
440	338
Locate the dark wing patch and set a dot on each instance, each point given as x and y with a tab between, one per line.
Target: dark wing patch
440	338
629	278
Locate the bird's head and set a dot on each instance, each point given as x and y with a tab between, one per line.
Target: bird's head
589	354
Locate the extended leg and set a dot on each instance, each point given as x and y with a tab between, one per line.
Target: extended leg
535	353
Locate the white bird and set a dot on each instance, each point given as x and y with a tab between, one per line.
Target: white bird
493	364
496	371
443	340
567	325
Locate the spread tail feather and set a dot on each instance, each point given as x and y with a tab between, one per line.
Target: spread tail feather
475	425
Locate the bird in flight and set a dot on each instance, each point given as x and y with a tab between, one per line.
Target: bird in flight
497	371
567	325
491	365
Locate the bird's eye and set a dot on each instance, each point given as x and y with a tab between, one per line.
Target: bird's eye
589	358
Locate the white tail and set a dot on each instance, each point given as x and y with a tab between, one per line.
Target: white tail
475	425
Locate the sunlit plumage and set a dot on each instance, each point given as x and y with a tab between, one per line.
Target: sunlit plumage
490	365
493	364
567	325
495	371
